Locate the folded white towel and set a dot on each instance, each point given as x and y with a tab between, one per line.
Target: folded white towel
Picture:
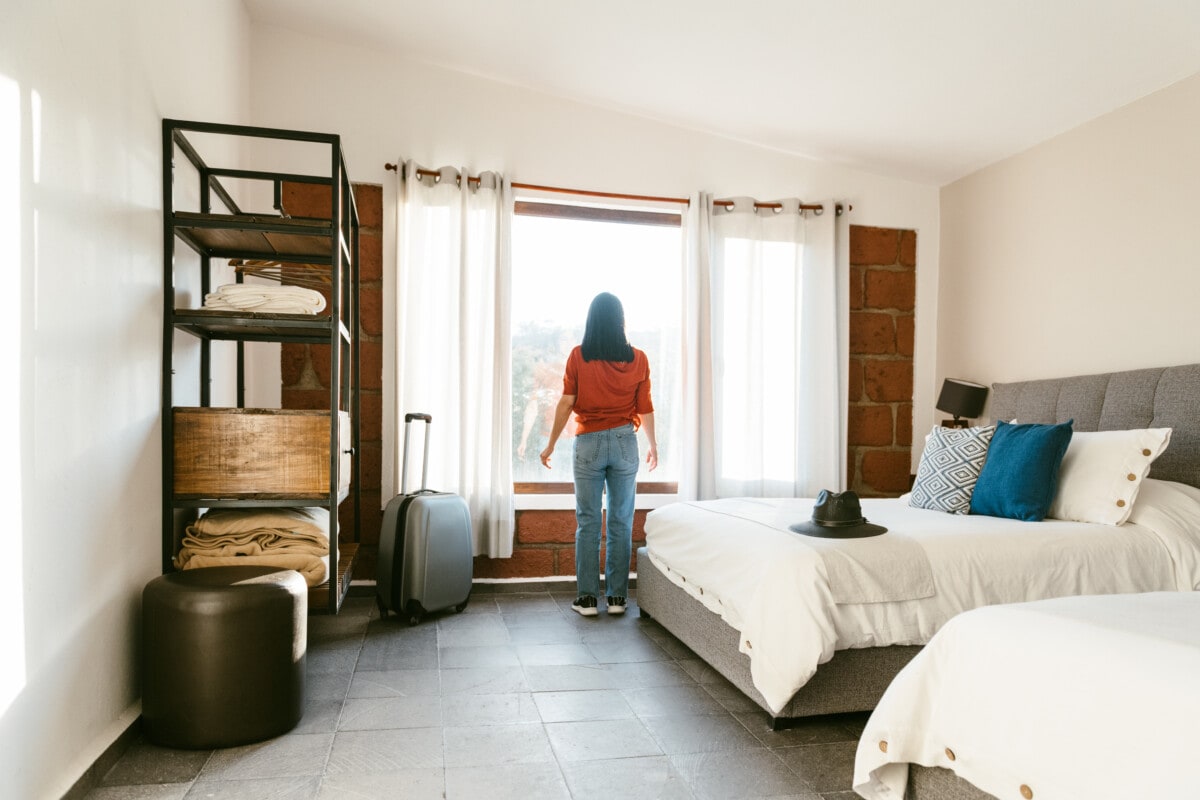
268	299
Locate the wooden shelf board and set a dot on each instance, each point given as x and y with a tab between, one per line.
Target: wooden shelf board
318	596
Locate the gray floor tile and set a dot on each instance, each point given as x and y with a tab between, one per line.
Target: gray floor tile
494	745
552	631
644	778
386	653
294	755
826	767
382	713
409	784
495	655
466	710
603	739
740	775
256	789
508	782
569	677
148	791
582	706
810	730
394	683
376	752
532	603
483	680
541	655
672	701
616	652
676	735
146	763
645	674
504	708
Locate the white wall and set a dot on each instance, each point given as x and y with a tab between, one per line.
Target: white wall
1079	255
83	87
388	108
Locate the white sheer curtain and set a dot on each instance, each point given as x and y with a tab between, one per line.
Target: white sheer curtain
764	342
452	353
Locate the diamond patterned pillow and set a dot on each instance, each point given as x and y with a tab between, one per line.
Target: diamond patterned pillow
949	468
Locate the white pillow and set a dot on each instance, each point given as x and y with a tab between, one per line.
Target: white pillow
1102	471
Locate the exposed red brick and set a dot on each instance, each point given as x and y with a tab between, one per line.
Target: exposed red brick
856	288
872	333
908	248
854	381
370	309
874	245
311	399
371	363
886	471
536	526
850	468
889	288
905	334
293	358
904	424
370	417
526	562
364	565
368	198
888	381
870	425
639	526
370	464
370	257
305	200
318	354
372	515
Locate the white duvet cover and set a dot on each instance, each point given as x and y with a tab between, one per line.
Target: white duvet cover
738	558
1076	697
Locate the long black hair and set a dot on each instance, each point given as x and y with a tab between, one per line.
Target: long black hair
604	337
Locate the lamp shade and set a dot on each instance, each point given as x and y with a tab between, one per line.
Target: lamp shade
962	398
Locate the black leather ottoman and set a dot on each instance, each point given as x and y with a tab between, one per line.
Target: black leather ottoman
223	655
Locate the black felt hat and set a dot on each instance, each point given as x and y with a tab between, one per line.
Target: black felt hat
837	515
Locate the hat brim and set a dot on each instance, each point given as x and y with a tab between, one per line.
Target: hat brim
860	531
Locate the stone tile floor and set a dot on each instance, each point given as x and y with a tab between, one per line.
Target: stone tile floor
517	697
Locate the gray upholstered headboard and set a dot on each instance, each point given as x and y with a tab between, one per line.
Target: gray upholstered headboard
1164	397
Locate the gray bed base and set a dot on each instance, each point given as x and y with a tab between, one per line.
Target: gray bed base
853	680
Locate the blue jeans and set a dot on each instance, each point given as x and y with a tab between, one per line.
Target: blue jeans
604	459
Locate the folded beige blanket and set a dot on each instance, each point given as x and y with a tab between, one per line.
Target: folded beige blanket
289	538
314	569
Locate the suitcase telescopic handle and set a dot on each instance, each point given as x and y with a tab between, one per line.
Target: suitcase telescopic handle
428	420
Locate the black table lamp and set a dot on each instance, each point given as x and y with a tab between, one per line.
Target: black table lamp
963	399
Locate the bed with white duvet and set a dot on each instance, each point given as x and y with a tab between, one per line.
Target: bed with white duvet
796	600
1077	697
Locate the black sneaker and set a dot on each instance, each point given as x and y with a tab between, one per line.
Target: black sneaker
585	605
616	605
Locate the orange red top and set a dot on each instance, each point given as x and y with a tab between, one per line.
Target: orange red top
608	394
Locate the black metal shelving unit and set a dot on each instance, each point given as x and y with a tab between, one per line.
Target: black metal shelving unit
221	230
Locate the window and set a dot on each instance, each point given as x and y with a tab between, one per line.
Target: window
564	253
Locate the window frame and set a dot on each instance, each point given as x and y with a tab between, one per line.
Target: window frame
571	211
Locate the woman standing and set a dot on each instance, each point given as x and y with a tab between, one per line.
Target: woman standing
607	385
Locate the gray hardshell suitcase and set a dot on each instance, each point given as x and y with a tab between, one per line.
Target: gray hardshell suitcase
425	546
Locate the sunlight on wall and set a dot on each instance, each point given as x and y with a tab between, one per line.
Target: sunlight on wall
12	593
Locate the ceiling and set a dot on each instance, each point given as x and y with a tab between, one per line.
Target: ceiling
924	90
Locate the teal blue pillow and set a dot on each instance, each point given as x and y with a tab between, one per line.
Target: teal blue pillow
1020	475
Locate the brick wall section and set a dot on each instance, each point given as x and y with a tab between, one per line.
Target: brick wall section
882	302
544	545
305	368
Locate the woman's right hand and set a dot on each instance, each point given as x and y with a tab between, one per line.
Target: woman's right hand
652	457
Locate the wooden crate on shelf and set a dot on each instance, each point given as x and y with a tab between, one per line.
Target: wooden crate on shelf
255	452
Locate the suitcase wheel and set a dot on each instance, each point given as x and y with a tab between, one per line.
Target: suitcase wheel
382	608
414	611
462	606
